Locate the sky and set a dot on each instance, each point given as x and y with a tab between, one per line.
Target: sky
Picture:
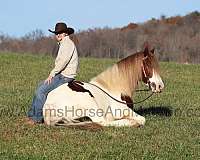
18	17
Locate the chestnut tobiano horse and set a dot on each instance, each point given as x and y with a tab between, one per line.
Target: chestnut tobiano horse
67	105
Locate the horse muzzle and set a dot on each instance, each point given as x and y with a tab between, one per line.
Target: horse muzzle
156	88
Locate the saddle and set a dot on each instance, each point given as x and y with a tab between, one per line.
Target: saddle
77	86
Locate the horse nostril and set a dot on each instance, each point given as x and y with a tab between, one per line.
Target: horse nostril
153	85
160	87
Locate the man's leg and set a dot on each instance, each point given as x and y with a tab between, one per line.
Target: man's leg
35	113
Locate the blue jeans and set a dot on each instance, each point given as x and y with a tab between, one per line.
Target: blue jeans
35	112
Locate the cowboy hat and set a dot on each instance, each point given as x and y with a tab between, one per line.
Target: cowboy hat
62	28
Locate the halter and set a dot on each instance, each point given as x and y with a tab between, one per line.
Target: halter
145	75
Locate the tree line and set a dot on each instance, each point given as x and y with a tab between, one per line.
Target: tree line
174	39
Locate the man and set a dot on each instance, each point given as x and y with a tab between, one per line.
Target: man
65	69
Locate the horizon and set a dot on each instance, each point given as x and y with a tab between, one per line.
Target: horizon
22	17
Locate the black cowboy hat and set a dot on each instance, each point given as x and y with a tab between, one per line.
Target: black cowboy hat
62	28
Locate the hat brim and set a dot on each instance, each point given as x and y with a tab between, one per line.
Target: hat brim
67	30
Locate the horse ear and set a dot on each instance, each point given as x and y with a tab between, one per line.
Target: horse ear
153	50
146	51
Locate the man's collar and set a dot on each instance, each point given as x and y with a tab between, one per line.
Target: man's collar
64	39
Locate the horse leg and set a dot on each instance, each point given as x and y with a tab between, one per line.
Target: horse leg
137	118
50	115
123	123
126	117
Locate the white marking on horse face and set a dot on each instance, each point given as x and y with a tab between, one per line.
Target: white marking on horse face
156	83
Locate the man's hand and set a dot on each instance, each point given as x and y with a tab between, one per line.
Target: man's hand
48	80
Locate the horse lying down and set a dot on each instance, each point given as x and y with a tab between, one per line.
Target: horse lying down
71	103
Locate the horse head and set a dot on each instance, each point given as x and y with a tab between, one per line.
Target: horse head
150	71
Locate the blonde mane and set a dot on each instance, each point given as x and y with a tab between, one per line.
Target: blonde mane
122	76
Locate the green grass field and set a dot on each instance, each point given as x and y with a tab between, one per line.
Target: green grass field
172	129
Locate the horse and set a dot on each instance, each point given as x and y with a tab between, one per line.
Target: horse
106	99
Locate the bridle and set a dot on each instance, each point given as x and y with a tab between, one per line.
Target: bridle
145	75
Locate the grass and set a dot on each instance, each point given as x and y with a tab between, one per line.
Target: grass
172	117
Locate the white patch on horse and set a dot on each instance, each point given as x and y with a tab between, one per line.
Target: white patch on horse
156	79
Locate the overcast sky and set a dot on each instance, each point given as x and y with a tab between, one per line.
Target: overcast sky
17	17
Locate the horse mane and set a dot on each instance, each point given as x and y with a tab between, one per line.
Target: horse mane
122	76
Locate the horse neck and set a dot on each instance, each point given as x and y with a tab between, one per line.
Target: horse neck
122	77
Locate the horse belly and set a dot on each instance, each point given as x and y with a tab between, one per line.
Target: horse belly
62	102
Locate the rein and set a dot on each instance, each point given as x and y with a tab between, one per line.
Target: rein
122	101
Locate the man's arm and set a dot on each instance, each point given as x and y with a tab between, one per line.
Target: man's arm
64	55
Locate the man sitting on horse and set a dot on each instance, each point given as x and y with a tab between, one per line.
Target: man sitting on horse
66	65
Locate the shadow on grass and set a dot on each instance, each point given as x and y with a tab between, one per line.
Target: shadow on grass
163	111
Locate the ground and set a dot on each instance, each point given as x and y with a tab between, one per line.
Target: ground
172	117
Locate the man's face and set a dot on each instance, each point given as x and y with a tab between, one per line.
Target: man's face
59	37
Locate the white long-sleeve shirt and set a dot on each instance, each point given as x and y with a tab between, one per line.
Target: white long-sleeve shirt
66	61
